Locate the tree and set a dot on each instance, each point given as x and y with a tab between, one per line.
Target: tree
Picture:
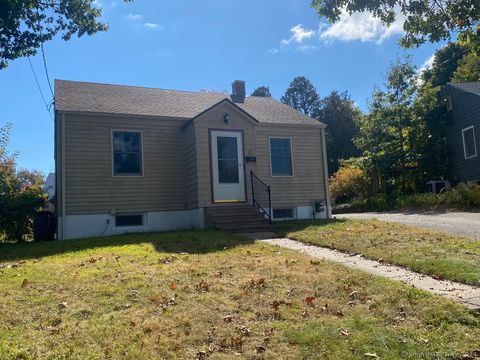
445	63
25	25
262	91
388	131
425	20
468	69
21	194
339	113
430	115
303	96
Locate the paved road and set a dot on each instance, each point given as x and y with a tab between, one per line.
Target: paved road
457	223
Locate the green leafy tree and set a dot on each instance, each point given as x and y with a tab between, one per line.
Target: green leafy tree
388	131
340	114
430	115
262	91
446	61
21	194
468	69
302	95
425	20
25	25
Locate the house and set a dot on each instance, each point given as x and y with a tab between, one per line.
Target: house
463	130
132	159
50	185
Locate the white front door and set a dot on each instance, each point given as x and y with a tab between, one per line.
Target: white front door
227	166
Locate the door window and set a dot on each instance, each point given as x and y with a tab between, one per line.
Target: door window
227	160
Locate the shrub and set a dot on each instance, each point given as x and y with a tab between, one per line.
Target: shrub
460	197
348	183
21	195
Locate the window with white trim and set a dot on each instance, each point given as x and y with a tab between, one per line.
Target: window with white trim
127	153
469	144
281	157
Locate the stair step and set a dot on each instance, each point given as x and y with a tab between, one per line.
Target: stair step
243	228
240	221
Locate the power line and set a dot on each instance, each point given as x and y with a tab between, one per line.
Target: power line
46	70
47	107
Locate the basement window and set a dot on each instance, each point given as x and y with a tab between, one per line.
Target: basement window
129	220
283	213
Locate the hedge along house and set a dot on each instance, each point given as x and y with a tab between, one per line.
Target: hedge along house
134	159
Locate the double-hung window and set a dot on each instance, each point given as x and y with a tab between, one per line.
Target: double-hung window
469	145
127	153
281	157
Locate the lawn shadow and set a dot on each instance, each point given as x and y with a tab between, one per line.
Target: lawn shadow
193	242
286	226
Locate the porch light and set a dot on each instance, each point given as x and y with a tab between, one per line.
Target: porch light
226	118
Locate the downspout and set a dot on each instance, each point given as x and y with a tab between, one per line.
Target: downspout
325	175
63	176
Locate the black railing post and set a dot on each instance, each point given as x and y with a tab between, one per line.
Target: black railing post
263	198
253	190
269	205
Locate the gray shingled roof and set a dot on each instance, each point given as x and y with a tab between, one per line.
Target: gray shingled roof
470	87
78	96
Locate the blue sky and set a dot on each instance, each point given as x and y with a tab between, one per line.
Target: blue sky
193	45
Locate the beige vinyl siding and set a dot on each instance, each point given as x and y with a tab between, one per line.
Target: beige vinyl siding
90	186
307	182
58	164
213	119
190	166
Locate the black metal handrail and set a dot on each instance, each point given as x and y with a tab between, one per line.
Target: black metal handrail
261	195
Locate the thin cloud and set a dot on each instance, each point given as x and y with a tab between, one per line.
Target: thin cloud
134	17
153	26
299	34
362	27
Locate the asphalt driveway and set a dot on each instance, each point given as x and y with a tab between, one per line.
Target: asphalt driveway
457	223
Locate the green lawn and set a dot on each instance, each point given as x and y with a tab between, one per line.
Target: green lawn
209	294
439	254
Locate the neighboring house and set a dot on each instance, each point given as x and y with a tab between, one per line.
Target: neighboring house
463	132
50	185
142	159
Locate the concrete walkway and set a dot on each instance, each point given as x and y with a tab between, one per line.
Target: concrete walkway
456	223
464	294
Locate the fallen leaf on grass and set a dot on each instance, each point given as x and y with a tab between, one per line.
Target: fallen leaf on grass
310	300
260	349
167	260
371	355
344	332
25	283
173	286
202	286
62	305
254	284
244	330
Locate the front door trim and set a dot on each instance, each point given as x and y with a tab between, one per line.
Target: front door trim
212	197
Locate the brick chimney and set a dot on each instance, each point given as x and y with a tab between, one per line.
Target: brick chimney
238	91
